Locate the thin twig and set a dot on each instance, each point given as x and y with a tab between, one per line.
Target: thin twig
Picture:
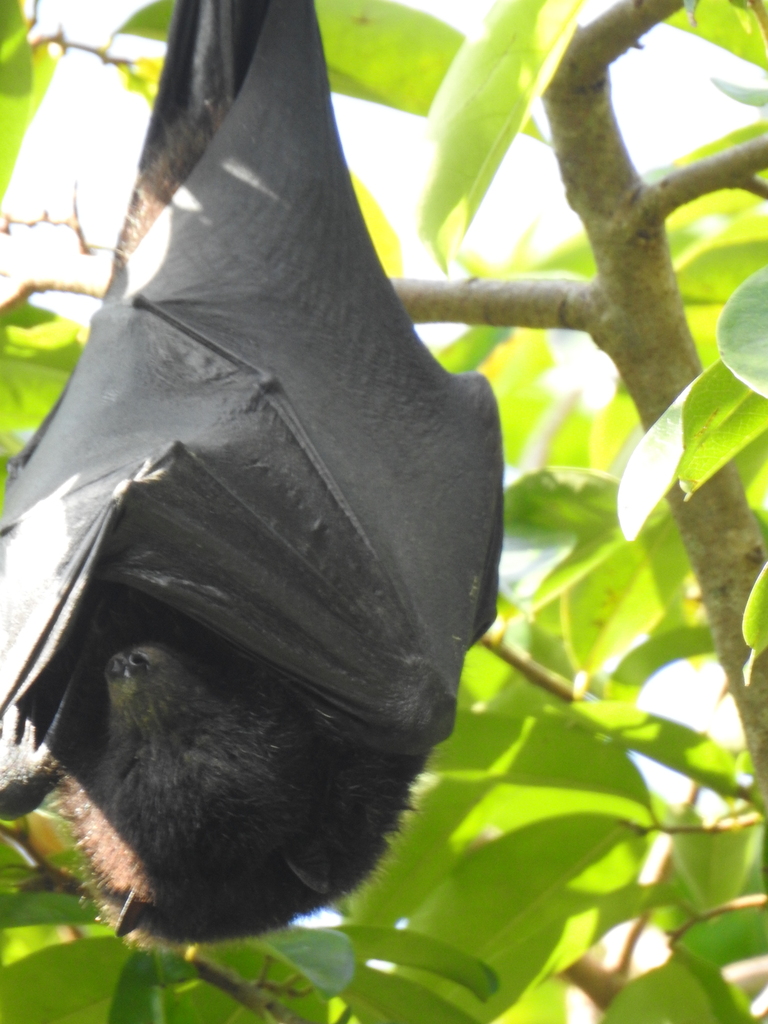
40	271
59	39
72	222
730	824
633	936
499	303
755	900
248	993
535	673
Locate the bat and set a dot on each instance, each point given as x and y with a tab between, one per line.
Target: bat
245	554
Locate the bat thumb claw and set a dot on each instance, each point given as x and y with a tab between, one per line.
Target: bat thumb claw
312	869
131	915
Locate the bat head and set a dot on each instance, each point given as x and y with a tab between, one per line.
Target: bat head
209	798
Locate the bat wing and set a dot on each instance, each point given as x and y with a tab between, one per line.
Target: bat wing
256	436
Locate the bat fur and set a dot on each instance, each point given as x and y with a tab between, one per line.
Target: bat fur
209	798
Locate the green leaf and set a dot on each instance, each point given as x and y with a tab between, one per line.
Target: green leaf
721	24
742	332
56	983
721	416
142	76
323	955
750	131
755	623
483	101
37	336
386	52
546	751
674	745
626	595
43	67
392	998
559	525
38	350
139	996
647	658
27	393
754	96
578	877
713	865
385	241
714	267
615	432
469	351
150	22
684	990
28	908
409	949
514	369
421	854
652	469
573	258
16	85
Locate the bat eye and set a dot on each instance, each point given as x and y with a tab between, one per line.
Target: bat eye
127	665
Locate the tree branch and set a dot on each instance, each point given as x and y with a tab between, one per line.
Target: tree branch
756	900
58	39
499	303
734	168
38	271
601	985
602	41
644	330
535	673
250	994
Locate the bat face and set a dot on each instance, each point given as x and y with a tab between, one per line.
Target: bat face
209	801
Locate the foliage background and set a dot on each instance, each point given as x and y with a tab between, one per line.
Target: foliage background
537	834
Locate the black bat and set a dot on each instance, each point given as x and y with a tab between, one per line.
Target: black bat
244	556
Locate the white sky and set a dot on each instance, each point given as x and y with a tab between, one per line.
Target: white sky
89	130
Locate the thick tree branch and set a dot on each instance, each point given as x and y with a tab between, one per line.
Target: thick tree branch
644	330
499	303
734	168
599	43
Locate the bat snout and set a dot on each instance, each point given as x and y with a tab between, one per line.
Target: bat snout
127	665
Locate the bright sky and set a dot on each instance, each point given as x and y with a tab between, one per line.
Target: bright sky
89	130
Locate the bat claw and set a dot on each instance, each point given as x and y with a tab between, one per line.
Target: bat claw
131	915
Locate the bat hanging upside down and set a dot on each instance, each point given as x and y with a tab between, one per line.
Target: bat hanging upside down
244	556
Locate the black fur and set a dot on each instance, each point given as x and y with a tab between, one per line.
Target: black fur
204	785
211	800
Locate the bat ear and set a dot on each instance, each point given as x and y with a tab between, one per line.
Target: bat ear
311	866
